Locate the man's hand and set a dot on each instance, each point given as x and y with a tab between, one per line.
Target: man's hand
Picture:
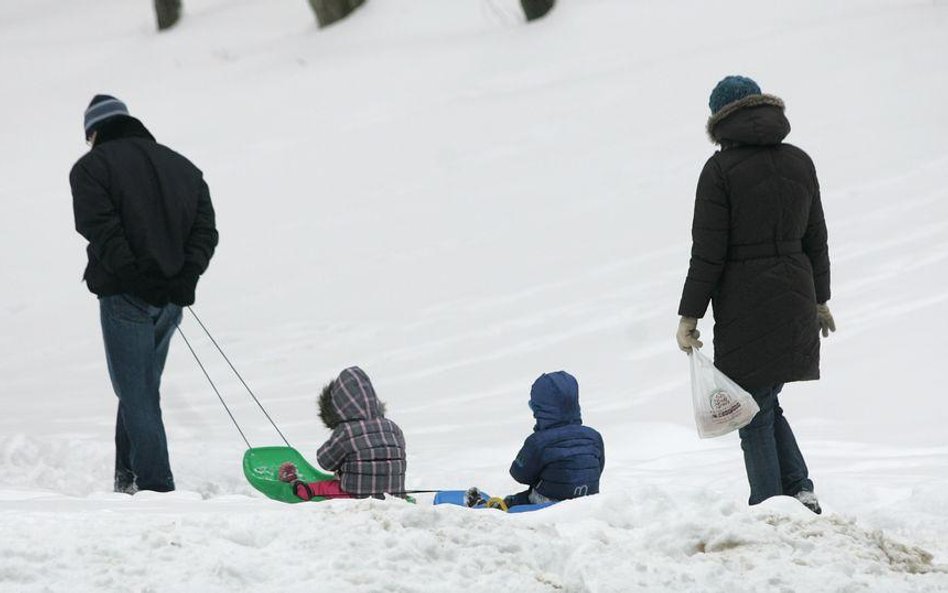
146	285
181	291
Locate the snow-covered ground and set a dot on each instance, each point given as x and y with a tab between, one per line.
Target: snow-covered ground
457	203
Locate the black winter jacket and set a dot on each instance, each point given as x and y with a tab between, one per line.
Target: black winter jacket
145	210
759	251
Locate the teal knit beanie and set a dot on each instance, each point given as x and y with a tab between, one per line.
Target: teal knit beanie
732	88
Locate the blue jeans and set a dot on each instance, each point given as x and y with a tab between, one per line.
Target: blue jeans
136	337
773	460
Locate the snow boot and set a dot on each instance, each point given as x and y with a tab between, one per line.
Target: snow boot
809	500
473	498
496	502
302	490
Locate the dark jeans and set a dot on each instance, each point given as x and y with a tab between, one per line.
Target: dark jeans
136	337
773	460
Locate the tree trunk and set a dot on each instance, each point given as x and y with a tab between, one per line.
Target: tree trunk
330	11
535	9
168	13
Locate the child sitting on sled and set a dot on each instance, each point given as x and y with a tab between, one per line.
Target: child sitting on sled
562	459
366	450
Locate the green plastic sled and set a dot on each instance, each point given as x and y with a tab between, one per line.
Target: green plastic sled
261	465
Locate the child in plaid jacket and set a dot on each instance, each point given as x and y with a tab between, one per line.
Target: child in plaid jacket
366	450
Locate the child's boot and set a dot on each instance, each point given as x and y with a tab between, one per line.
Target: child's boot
496	502
473	498
302	490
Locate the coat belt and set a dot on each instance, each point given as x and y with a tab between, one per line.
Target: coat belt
762	250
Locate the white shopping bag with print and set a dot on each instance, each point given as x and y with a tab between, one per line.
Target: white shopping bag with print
721	405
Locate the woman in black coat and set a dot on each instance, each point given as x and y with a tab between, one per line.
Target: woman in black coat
759	255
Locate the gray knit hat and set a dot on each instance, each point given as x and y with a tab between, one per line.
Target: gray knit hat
101	108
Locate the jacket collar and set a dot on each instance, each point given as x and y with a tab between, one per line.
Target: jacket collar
121	126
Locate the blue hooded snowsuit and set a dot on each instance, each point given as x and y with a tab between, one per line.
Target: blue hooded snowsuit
562	459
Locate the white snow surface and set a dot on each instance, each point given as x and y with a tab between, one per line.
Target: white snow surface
458	202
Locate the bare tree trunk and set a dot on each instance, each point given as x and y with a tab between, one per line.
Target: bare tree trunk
330	11
535	9
168	13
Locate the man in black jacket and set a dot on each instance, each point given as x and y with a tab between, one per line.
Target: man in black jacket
760	256
147	214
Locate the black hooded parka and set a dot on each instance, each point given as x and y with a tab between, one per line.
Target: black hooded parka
759	251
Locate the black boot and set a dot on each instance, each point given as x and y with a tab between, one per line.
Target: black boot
809	500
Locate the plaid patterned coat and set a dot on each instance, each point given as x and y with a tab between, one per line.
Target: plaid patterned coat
366	449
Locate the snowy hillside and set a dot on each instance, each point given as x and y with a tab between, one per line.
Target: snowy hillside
457	202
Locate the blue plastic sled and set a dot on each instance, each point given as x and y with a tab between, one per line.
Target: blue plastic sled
456	497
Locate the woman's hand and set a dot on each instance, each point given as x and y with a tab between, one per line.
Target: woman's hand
688	334
827	324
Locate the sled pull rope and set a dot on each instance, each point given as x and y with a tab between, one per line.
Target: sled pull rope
244	383
214	387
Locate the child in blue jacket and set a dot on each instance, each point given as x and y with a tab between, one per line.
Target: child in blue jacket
562	459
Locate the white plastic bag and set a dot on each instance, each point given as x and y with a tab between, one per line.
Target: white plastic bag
721	405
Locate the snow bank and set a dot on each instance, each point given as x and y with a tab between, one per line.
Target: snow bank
647	539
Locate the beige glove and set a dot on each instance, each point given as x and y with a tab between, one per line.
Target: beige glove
827	324
688	334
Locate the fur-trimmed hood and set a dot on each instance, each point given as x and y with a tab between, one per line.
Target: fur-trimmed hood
756	120
349	397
